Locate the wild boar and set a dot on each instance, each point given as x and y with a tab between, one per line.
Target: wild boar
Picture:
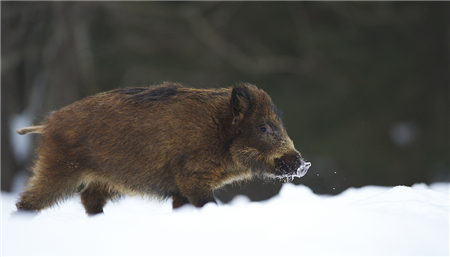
162	141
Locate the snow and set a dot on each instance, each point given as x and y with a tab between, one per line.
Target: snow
371	220
20	144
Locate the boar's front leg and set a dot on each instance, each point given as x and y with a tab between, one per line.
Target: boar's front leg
194	190
178	200
198	198
195	198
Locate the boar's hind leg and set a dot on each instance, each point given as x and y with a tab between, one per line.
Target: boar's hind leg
95	196
44	191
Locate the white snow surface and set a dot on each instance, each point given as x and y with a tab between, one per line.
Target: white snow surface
371	220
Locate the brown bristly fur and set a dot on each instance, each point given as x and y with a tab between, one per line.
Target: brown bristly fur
163	141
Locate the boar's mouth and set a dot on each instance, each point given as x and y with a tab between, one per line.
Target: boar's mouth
291	166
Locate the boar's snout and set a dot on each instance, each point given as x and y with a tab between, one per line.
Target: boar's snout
291	165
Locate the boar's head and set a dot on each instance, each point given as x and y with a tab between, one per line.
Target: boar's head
261	143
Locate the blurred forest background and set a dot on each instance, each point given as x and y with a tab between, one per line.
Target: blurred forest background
364	86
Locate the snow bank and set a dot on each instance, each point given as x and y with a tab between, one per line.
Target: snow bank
367	221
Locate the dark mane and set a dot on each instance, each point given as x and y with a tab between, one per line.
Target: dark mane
130	90
150	94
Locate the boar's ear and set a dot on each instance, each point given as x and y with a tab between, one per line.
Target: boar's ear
241	102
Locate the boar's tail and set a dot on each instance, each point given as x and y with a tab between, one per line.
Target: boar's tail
32	129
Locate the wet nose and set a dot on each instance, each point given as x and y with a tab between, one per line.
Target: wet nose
303	168
305	165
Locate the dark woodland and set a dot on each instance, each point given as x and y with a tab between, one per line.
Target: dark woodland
363	86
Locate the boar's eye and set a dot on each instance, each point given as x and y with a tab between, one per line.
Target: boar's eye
265	129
